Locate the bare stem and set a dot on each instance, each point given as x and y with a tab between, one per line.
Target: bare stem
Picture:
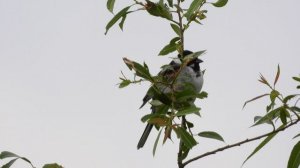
181	28
239	143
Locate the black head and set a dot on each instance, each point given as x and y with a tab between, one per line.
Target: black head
188	52
185	53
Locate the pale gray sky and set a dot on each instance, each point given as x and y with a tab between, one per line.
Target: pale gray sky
58	73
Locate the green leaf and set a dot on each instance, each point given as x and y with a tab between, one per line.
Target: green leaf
211	134
110	5
122	22
189	124
158	9
187	139
296	78
277	75
255	98
294	160
119	15
171	47
256	118
176	29
141	71
195	5
283	116
202	95
274	94
155	143
156	103
298	135
187	111
168	49
189	93
124	83
52	165
220	3
6	154
185	152
170	2
289	97
7	165
261	145
150	116
159	121
25	159
269	116
295	108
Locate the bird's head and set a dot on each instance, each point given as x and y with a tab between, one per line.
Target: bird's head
193	61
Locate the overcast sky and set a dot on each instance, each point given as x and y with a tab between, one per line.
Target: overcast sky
58	73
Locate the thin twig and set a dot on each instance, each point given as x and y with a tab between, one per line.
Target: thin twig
239	143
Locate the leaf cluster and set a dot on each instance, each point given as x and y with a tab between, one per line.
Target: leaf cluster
167	10
279	109
15	157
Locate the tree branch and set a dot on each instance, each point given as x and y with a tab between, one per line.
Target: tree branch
239	143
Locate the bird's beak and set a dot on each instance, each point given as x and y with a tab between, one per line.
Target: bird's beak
198	61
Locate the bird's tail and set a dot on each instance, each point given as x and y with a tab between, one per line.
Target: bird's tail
145	135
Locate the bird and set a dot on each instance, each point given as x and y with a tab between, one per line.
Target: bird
189	74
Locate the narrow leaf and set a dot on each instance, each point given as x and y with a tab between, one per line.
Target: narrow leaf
156	103
202	95
10	163
141	71
168	49
155	143
211	134
283	116
159	121
274	94
269	116
256	118
168	131
195	5
124	83
264	80
298	135
289	97
122	22
122	13
171	47
176	29
153	115
158	9
220	3
261	145
170	2
52	165
295	108
294	160
110	5
277	75
6	154
186	111
187	139
255	98
296	78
